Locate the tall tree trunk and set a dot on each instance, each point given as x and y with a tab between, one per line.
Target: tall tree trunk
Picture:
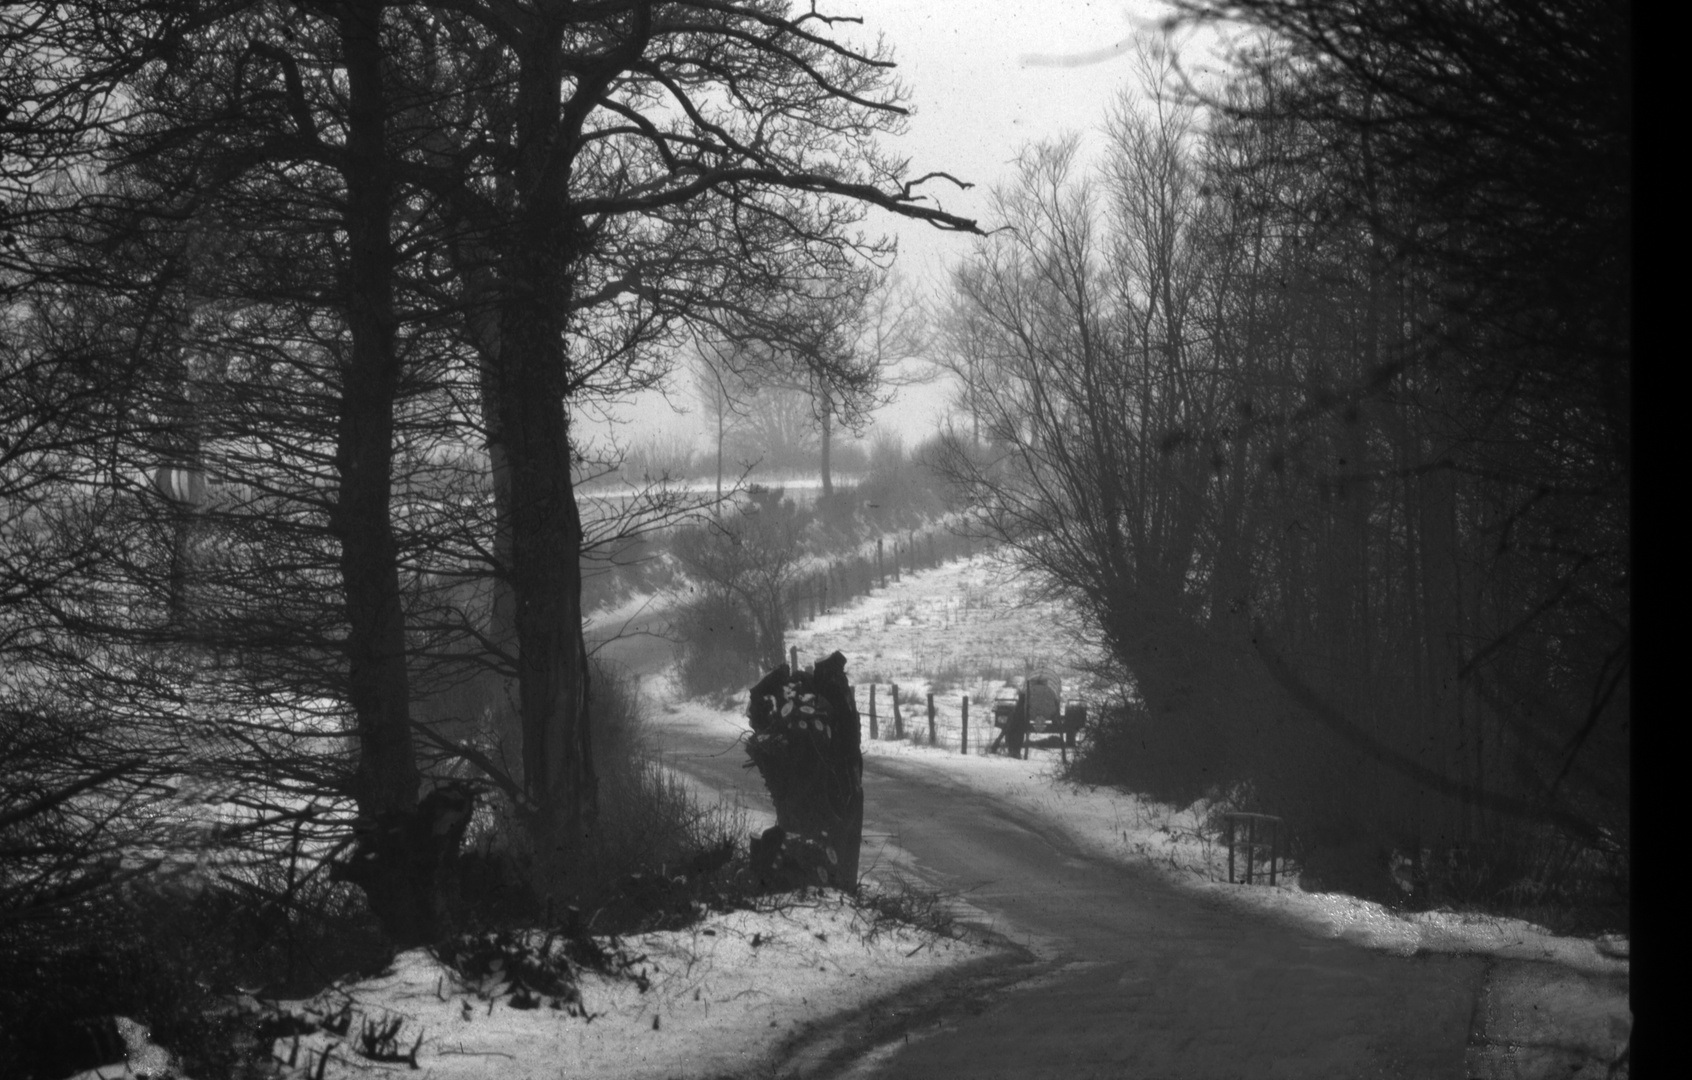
387	776
482	319
531	385
827	458
386	779
722	435
545	569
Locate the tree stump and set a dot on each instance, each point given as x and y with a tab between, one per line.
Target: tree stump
805	743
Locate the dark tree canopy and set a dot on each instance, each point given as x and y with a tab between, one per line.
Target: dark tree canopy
1494	139
1314	396
349	267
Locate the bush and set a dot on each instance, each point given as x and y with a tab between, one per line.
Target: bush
173	953
1344	823
719	644
650	823
650	827
1170	761
838	516
1533	873
849	456
173	962
665	455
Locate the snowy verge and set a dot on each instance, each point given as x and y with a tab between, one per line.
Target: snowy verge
970	620
714	999
719	998
1180	845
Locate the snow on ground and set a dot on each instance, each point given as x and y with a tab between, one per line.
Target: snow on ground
715	999
630	614
963	627
723	995
718	998
796	483
958	629
1181	844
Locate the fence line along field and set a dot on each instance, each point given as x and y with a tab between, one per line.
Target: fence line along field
965	628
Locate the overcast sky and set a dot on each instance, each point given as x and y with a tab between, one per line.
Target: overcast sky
985	78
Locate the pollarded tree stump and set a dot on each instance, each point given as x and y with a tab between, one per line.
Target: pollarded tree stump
805	744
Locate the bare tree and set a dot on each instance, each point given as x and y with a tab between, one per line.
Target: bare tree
1228	413
1493	318
537	196
827	358
584	165
755	557
723	392
882	334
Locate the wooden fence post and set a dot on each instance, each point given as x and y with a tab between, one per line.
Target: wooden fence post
1230	821
874	730
793	658
898	717
880	571
1251	846
966	724
931	739
1273	823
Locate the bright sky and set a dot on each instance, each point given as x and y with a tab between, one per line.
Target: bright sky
985	79
985	84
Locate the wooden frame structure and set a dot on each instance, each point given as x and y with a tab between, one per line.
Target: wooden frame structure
1252	842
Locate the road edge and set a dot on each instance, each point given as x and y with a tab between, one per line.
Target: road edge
848	1043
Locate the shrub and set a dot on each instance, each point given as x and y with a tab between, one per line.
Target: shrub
1167	760
665	455
849	456
1536	874
173	961
838	514
1344	822
650	826
650	823
719	644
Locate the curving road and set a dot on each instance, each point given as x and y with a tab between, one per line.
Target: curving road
1136	978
